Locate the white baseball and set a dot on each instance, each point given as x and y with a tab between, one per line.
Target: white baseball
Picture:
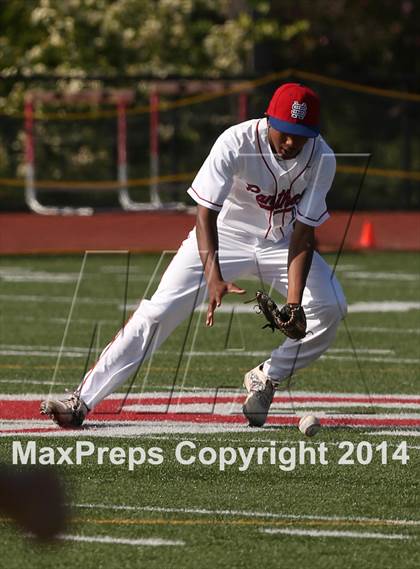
309	425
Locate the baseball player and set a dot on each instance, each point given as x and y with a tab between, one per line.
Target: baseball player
260	194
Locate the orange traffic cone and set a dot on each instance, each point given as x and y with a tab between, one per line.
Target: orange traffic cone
367	238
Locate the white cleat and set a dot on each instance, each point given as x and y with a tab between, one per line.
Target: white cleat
260	395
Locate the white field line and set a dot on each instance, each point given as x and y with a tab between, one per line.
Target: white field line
247	513
414	361
407	361
62	278
122	431
384	306
116	322
129	430
378	284
150	542
78	351
32	382
23	347
383	330
20	274
112	268
236	407
396	433
348	267
42	347
336	533
357	307
381	276
58	299
17	424
234	393
57	320
74	353
34	353
324	414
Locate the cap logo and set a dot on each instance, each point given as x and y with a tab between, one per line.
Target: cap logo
298	110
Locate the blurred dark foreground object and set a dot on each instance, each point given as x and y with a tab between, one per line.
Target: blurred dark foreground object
35	499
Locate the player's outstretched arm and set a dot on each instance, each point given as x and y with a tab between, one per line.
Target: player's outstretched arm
208	244
301	250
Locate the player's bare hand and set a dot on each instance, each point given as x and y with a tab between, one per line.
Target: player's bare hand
217	291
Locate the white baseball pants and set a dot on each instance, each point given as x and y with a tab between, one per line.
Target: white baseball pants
183	288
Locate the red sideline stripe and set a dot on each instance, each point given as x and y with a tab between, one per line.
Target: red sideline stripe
24	409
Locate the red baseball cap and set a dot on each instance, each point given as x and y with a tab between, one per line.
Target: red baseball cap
294	109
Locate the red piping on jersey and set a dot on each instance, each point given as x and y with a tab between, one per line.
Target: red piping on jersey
294	180
274	178
311	218
204	200
89	373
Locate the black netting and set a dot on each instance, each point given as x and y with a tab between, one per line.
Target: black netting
84	149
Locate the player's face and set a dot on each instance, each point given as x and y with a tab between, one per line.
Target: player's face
286	145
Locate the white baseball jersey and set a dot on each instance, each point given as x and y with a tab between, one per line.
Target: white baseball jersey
258	193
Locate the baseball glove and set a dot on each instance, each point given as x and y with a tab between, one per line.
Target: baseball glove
290	319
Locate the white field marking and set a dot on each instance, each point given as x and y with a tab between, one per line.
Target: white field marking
79	352
24	347
38	354
66	354
43	348
122	431
239	352
116	322
43	429
335	533
381	276
262	354
384	306
236	407
230	410
150	541
247	513
382	330
415	361
32	382
394	434
64	299
357	307
13	425
135	429
380	285
20	274
208	392
347	267
23	275
57	320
